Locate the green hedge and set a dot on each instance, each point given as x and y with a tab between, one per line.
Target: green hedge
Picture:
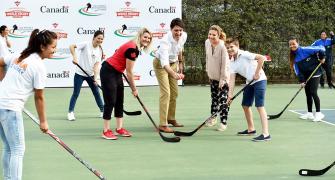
262	27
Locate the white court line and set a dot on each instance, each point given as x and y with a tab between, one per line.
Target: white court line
295	111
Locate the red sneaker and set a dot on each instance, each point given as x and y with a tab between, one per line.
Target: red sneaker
108	135
123	132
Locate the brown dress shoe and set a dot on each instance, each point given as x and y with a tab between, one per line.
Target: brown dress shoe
165	129
174	123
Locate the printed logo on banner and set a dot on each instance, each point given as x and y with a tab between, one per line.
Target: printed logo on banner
81	30
20	31
127	12
54	10
159	33
152	73
61	54
153	53
59	75
160	10
93	9
17	12
60	32
127	31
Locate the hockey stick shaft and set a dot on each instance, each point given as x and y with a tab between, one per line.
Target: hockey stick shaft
130	113
67	148
167	139
179	133
295	95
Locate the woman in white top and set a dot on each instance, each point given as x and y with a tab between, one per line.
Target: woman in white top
89	59
217	68
25	75
4	43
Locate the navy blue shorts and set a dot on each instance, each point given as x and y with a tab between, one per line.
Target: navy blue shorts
255	91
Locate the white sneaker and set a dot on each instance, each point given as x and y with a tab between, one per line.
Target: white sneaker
211	122
221	127
318	117
70	116
308	115
101	114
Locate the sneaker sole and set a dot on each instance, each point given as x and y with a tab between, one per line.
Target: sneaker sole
247	134
122	135
261	140
105	137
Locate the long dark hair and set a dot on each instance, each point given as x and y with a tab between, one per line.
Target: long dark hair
97	33
292	54
37	39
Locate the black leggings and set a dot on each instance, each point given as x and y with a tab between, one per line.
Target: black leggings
219	100
112	89
328	68
311	91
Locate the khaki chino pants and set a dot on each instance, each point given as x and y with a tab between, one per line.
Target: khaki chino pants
168	87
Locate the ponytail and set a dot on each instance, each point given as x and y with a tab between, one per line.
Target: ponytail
37	39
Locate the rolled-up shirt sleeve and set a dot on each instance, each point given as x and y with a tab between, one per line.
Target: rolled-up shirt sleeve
163	53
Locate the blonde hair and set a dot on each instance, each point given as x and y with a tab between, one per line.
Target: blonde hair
222	35
137	39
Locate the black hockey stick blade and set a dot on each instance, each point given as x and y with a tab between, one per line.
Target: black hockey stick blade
169	139
310	172
132	113
275	116
129	113
180	133
295	95
164	138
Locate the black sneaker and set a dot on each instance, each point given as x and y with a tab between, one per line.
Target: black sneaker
246	133
261	138
322	86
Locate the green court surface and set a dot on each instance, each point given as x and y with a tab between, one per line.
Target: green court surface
207	155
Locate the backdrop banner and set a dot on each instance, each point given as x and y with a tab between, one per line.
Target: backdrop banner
76	21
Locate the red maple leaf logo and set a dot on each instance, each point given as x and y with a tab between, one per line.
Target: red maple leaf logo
133	55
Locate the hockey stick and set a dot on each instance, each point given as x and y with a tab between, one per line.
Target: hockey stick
179	133
67	148
310	172
129	113
167	139
295	95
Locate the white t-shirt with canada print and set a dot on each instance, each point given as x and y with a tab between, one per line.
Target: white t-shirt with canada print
20	81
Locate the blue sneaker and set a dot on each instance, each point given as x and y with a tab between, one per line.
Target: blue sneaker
246	133
261	138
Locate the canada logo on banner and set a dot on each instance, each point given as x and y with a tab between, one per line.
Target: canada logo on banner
128	12
93	10
127	31
20	31
17	12
159	33
169	10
